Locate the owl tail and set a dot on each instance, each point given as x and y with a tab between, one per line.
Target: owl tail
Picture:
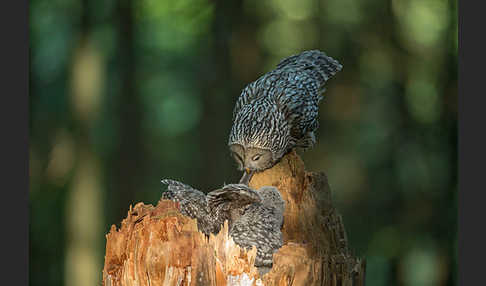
316	64
326	67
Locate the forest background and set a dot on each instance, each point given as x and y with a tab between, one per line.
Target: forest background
124	93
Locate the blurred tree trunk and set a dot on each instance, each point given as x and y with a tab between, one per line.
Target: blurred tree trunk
219	92
84	218
130	152
159	246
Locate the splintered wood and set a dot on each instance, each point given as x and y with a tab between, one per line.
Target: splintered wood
159	246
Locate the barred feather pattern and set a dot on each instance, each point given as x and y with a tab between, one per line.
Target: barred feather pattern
260	225
193	204
255	216
279	111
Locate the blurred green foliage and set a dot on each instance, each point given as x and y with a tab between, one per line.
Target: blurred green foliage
124	93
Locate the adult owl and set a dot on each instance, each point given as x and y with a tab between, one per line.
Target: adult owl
279	111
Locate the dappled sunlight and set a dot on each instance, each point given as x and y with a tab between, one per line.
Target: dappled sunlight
295	9
348	13
87	81
173	26
84	203
61	159
84	223
422	266
422	22
282	37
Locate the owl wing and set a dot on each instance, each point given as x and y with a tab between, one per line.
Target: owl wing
192	204
309	70
232	196
302	78
248	94
192	201
264	86
296	84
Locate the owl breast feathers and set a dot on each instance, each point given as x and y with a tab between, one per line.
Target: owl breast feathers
279	111
255	217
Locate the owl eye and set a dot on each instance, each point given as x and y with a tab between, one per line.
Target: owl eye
256	157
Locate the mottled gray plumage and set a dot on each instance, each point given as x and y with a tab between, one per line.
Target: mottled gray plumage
255	217
193	204
257	221
279	111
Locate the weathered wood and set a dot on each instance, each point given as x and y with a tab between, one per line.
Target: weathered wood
159	246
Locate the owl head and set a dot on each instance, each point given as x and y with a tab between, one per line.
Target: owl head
251	158
259	136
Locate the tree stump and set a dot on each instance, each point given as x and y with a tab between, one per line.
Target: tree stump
159	246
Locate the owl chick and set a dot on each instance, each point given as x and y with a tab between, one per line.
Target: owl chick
255	218
279	111
193	204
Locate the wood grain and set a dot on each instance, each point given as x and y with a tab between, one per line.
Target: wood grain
159	246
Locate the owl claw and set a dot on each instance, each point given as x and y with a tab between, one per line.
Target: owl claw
245	179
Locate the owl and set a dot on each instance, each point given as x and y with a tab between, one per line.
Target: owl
255	217
193	204
279	111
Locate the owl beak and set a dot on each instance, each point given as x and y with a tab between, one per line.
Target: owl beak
245	179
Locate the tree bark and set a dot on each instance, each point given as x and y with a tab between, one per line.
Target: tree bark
160	246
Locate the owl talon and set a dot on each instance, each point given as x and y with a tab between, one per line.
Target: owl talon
245	179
